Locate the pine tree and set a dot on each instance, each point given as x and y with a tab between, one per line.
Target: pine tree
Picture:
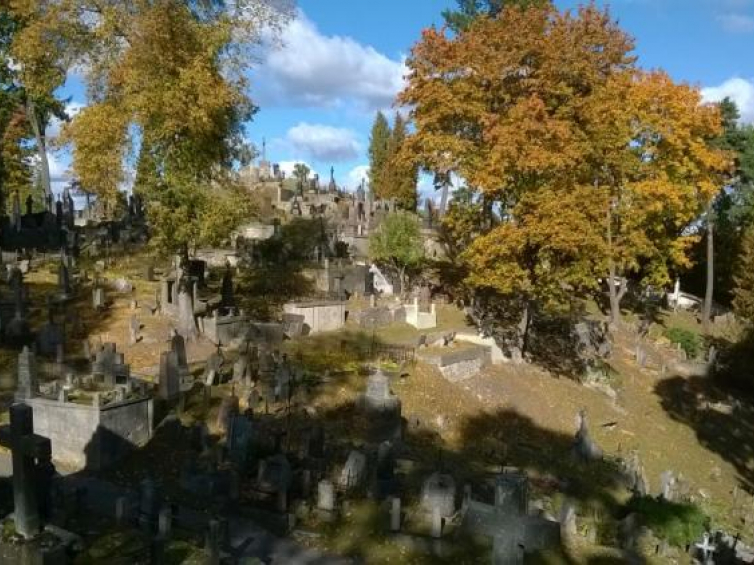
468	10
379	143
399	176
743	294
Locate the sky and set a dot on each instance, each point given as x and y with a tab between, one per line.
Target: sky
340	62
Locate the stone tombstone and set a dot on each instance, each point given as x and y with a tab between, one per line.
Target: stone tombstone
568	526
385	471
240	368
213	543
667	486
354	471
149	503
178	345
64	281
212	369
378	397
512	493
584	447
274	474
226	293
438	494
395	514
326	496
134	330
229	408
165	522
425	299
240	435
28	382
169	387
98	298
32	471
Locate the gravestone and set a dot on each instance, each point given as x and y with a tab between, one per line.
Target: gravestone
32	471
584	447
274	474
99	301
438	495
212	369
134	330
27	375
227	299
378	396
240	434
513	533
229	408
169	387
149	504
326	496
354	471
395	514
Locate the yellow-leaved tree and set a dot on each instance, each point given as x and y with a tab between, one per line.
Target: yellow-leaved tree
591	167
168	98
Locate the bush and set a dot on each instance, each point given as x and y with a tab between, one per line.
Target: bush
690	342
678	524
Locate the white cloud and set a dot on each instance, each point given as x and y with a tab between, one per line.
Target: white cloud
740	90
356	175
736	23
312	69
53	129
287	168
323	143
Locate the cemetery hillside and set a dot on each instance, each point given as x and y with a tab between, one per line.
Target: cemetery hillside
453	282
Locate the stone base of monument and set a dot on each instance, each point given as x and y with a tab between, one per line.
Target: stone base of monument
45	549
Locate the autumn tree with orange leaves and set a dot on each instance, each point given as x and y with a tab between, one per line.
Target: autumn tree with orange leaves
595	168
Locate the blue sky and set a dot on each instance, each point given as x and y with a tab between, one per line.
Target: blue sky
342	61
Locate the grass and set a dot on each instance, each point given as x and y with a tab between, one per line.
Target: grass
688	340
678	524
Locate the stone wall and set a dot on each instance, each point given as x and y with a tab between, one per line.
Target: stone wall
85	436
325	316
457	364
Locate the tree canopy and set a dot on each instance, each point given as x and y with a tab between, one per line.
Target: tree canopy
397	243
167	97
595	167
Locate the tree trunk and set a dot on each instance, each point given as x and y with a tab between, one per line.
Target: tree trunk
401	276
707	313
444	199
39	136
523	329
614	298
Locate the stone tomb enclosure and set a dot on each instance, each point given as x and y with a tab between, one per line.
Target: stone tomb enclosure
457	363
319	316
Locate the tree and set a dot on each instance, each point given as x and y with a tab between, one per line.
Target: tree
167	83
42	47
743	293
301	173
379	152
398	176
397	243
572	141
468	10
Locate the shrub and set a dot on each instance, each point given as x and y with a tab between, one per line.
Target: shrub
689	341
678	524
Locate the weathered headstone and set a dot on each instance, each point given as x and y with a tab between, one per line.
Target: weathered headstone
32	470
326	496
354	471
438	495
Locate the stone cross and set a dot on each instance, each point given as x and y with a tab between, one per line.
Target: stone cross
27	375
32	469
707	548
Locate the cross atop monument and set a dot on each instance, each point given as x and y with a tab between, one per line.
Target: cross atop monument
32	468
